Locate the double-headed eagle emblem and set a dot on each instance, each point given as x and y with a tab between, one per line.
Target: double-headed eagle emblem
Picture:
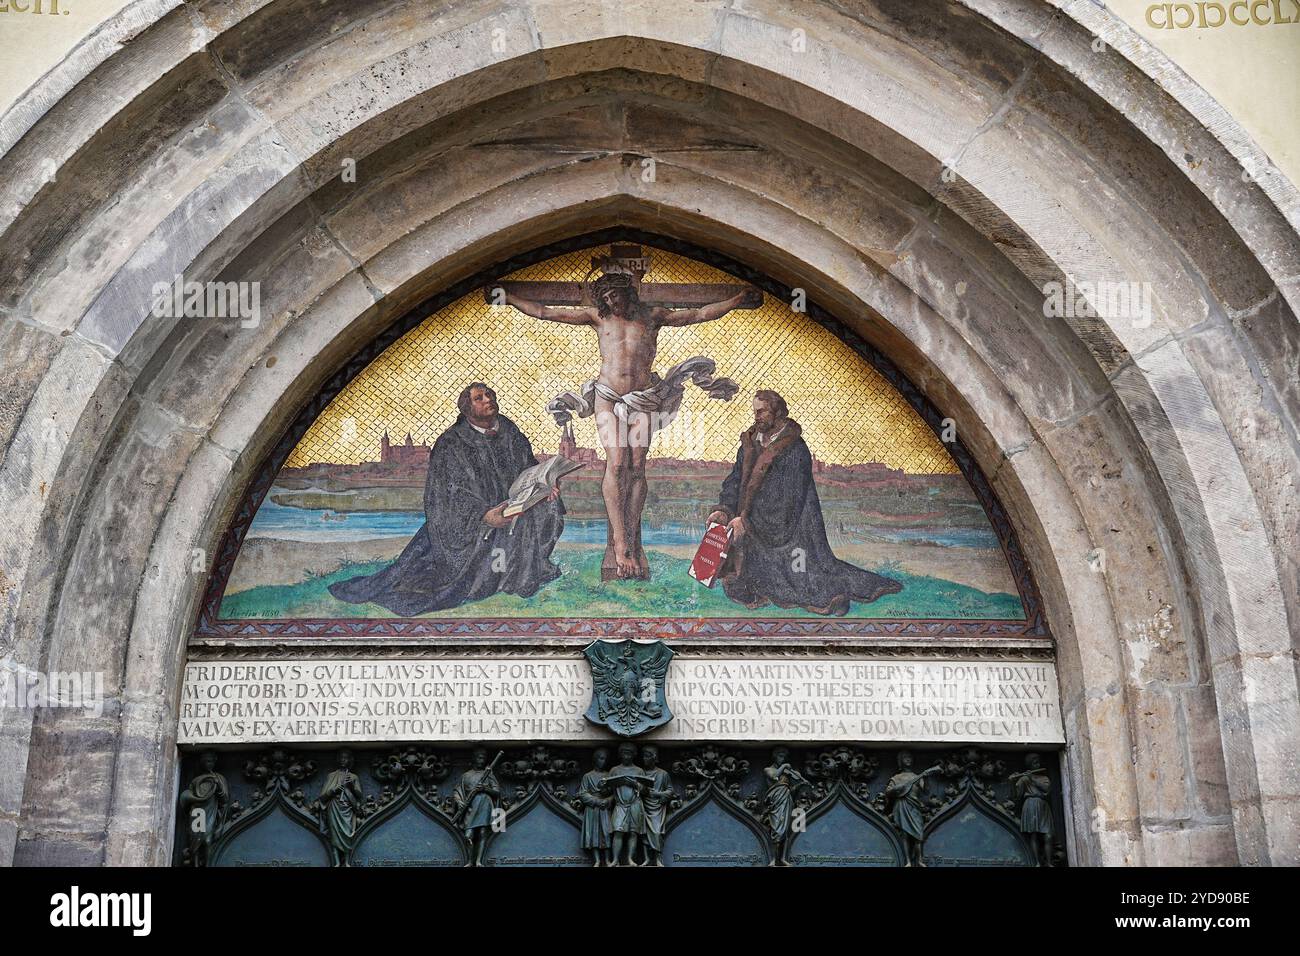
628	681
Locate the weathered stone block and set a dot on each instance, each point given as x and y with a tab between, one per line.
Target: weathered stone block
180	560
28	352
224	351
1191	845
40	848
1160	756
109	158
15	730
70	773
183	236
125	232
104	574
1157	189
1134	546
375	218
680	38
1205	742
59	437
311	346
881	76
1110	748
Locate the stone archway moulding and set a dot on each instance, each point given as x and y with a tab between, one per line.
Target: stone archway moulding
177	144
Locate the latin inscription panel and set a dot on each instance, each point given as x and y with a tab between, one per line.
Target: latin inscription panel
509	700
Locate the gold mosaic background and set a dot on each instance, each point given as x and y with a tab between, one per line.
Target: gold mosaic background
849	413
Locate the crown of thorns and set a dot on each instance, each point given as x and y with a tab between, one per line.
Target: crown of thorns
613	280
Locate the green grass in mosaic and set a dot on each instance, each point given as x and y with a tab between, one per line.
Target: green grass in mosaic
580	593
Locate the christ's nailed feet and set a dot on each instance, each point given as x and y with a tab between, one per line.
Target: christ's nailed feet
626	565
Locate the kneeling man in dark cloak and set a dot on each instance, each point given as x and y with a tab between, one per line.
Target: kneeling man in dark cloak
779	552
468	550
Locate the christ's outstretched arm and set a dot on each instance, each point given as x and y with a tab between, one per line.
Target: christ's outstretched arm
749	299
570	316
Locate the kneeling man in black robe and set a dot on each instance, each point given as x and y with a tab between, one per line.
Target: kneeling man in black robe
468	550
779	552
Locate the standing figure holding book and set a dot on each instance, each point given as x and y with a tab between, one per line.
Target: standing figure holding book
468	548
627	782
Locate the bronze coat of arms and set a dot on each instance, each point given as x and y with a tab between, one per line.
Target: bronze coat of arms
628	685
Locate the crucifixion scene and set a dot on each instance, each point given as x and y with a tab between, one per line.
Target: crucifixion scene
630	401
620	431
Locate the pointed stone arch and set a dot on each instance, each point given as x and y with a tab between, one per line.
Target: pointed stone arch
539	816
386	824
729	835
180	145
985	829
273	829
864	838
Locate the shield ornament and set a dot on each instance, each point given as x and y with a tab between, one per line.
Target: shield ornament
629	678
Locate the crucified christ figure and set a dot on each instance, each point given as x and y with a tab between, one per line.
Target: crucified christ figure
629	400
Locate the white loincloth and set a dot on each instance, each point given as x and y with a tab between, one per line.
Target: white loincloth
663	397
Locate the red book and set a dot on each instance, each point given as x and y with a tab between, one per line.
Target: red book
711	554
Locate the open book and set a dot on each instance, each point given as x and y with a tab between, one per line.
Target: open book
534	484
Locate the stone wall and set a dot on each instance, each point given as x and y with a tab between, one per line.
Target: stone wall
922	169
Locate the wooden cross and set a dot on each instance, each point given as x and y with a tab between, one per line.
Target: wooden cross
627	259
